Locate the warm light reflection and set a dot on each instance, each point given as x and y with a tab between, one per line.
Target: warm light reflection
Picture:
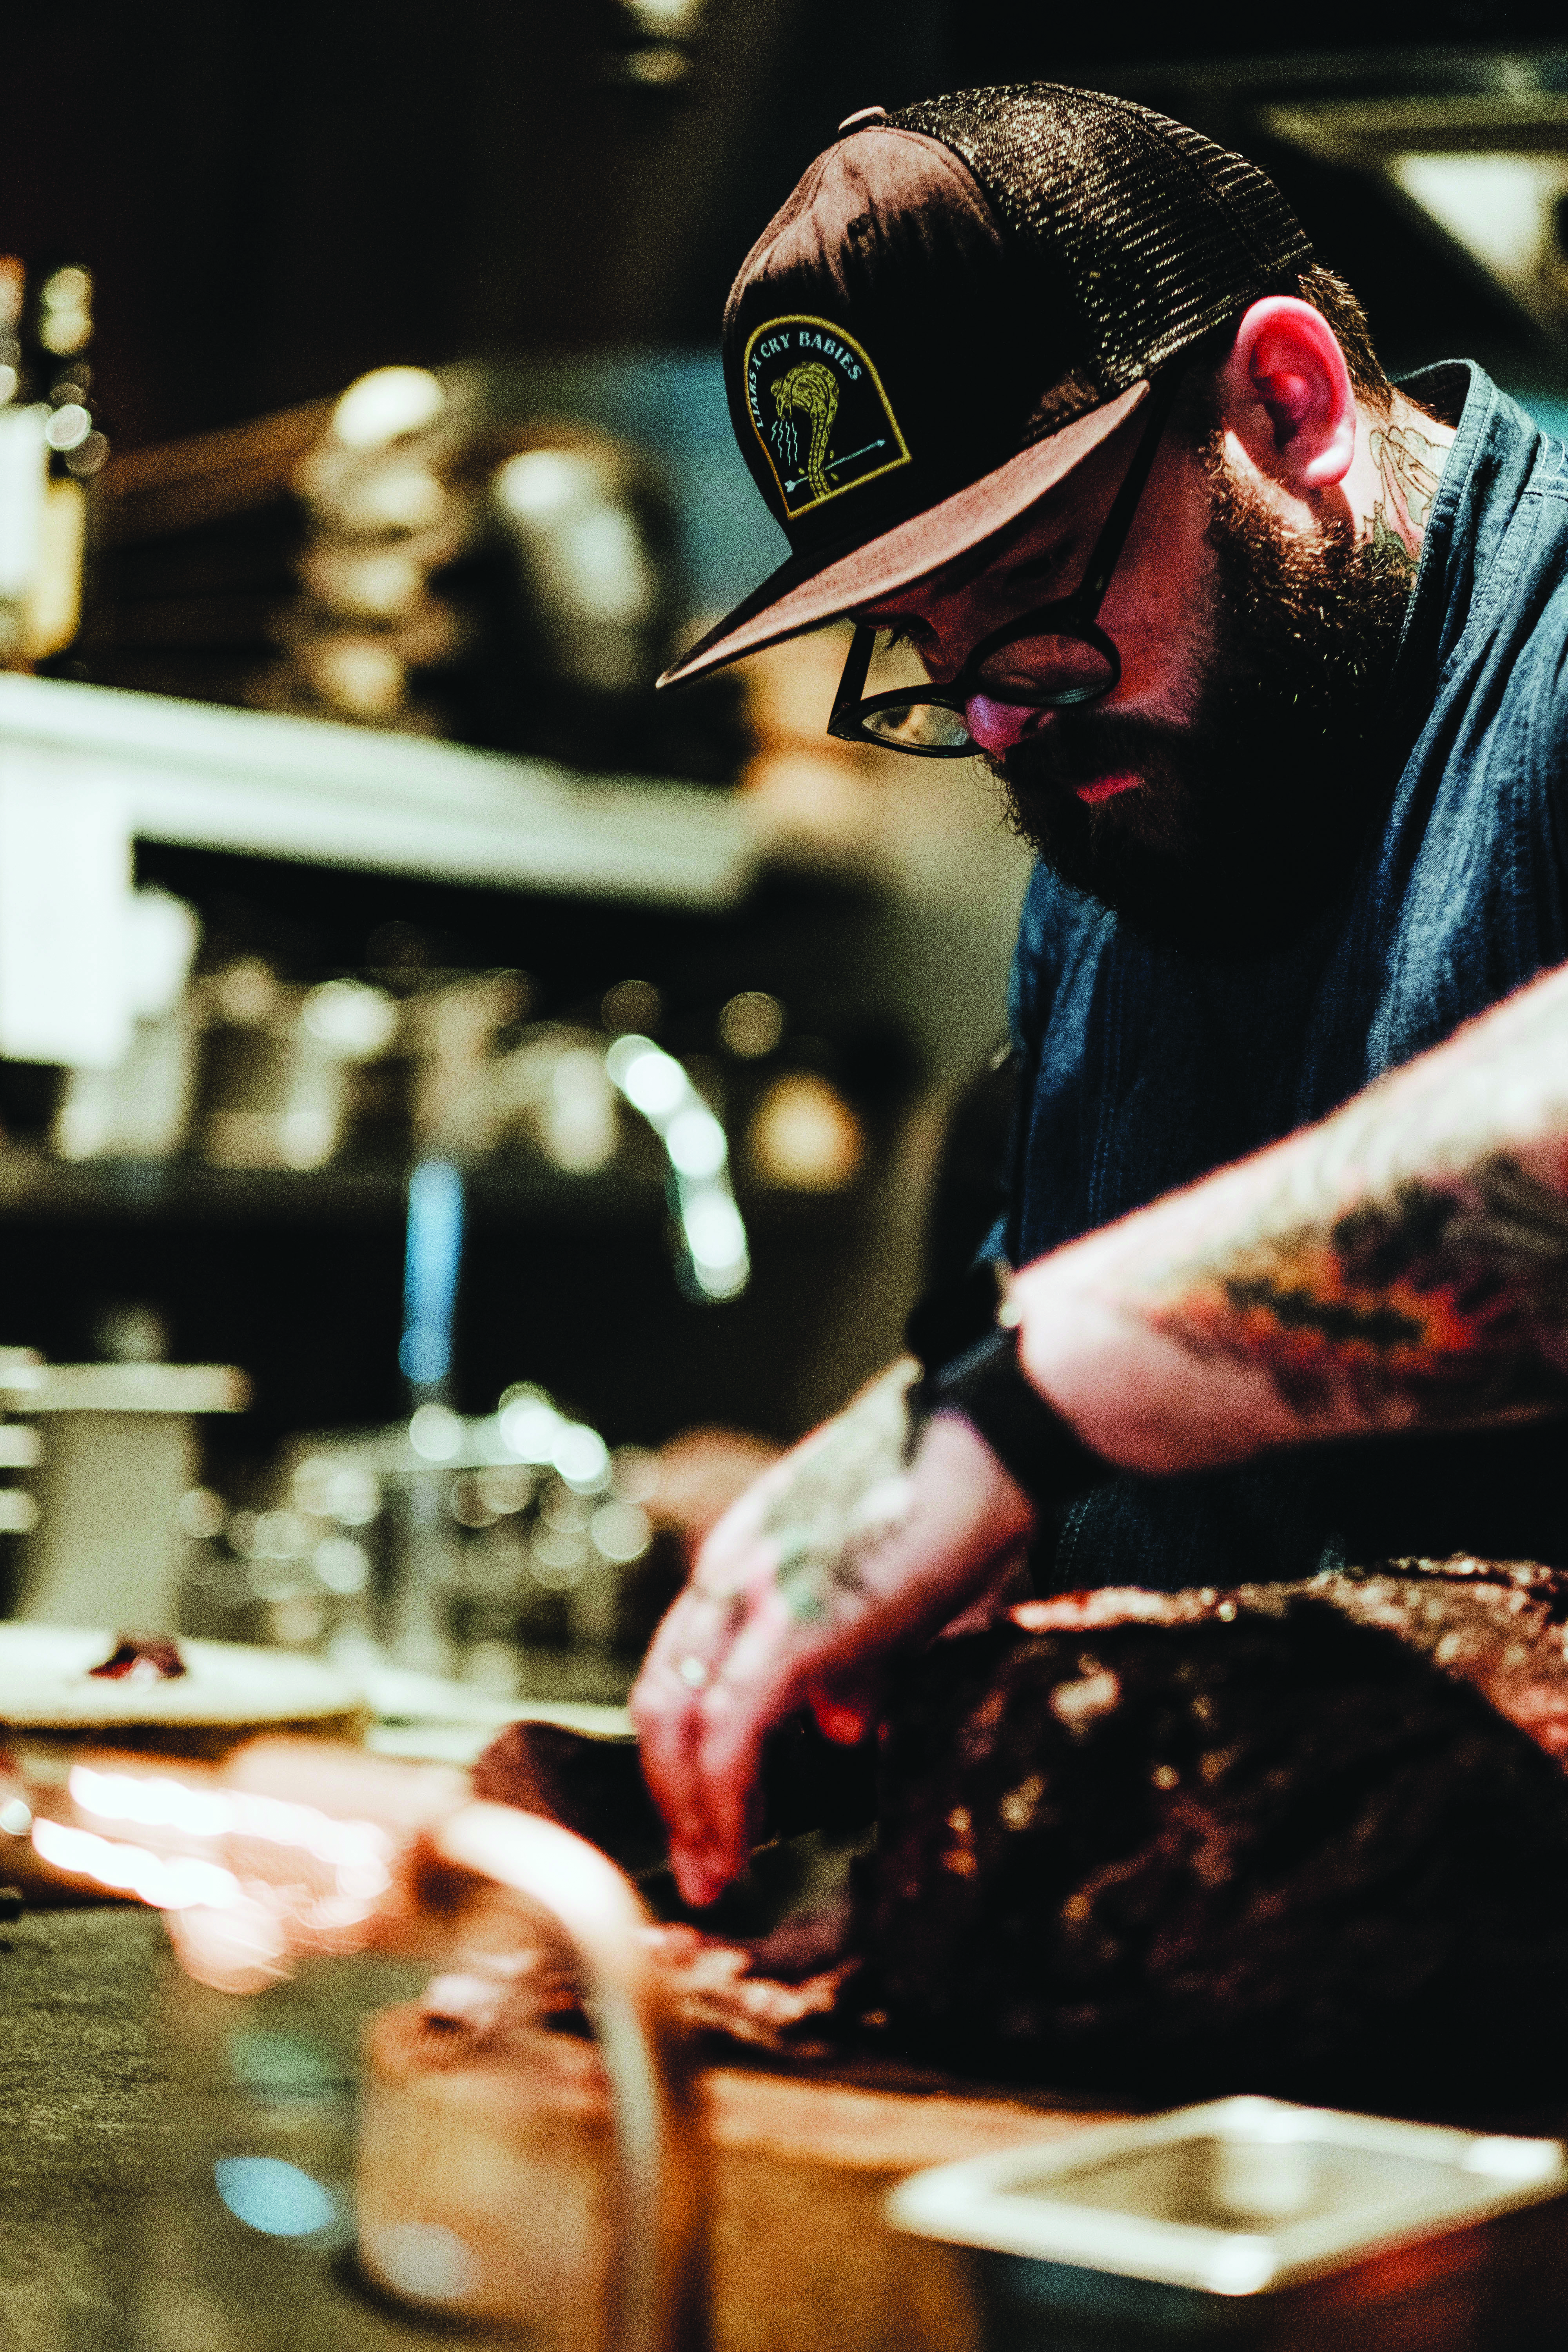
358	1851
170	1804
171	1883
241	1950
273	1899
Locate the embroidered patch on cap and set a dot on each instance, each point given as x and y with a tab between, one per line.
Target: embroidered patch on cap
819	411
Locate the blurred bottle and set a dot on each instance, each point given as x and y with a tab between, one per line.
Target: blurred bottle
24	469
56	354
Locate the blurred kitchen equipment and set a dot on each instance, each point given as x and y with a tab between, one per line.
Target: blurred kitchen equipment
589	531
555	1090
456	1026
714	1262
50	450
653	2296
278	1064
24	469
469	570
549	1094
432	1259
359	561
432	1264
64	1686
1250	2222
57	360
117	1452
323	1895
21	1451
443	1544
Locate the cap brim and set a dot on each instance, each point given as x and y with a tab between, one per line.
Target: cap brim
808	590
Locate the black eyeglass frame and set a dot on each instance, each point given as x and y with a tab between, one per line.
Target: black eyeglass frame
1071	616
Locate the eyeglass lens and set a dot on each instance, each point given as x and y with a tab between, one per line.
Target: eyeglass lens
1033	671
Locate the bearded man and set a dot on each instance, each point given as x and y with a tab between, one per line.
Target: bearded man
1268	657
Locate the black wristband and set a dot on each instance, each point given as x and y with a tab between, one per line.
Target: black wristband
1034	1444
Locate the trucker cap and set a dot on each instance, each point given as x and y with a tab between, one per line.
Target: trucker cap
959	301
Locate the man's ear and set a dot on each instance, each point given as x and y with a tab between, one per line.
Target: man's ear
1285	391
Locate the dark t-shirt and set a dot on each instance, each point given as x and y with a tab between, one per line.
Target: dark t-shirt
1146	1067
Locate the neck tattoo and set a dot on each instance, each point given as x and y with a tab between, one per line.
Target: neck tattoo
1409	468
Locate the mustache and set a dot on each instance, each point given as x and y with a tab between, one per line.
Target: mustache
1077	747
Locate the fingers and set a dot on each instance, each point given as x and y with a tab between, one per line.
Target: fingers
700	1774
714	1683
797	1581
762	1679
721	1830
667	1709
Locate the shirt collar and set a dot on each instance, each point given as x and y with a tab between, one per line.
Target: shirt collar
1493	454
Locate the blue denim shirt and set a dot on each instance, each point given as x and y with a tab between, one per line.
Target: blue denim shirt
1151	1067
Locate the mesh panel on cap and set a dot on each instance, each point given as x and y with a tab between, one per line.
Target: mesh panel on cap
1158	234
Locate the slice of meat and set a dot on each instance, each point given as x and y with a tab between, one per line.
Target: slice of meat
1498	1625
1309	1838
594	1786
722	1987
771	1993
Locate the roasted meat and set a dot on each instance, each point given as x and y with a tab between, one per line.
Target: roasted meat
1307	1838
1310	1838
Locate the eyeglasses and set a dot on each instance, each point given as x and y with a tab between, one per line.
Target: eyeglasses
1068	657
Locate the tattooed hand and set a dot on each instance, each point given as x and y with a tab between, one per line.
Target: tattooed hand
843	1548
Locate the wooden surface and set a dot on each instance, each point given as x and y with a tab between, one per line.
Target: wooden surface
802	2259
510	2155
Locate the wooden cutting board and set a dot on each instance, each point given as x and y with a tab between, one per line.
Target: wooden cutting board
801	2258
512	2160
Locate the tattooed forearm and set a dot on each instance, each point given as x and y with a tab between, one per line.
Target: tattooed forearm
1446	1302
1405	1262
849	1495
1409	468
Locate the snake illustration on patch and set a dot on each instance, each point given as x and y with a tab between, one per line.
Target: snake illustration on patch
819	411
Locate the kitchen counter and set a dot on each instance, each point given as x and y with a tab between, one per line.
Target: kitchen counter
119	2102
80	2092
108	2242
128	2090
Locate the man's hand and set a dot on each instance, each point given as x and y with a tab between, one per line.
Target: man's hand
842	1550
1402	1266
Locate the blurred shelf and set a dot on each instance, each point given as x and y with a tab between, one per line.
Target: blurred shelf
33	1186
36	1187
197	775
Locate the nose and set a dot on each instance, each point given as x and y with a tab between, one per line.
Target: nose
996	727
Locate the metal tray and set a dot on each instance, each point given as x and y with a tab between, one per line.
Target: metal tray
1240	2196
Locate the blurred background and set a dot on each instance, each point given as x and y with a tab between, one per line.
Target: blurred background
523	1099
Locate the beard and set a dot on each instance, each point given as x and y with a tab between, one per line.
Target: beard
1250	813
